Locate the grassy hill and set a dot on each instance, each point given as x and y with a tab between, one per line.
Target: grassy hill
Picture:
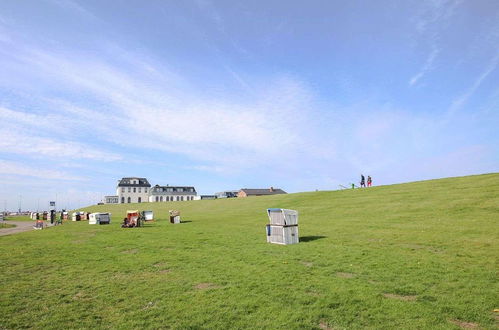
419	255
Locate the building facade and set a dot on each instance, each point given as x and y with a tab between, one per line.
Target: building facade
133	190
172	194
111	199
227	194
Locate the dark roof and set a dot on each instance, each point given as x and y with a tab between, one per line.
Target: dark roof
175	190
267	191
127	182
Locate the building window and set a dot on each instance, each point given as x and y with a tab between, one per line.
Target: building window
122	189
129	200
134	189
156	198
139	189
129	189
122	200
160	198
145	190
140	199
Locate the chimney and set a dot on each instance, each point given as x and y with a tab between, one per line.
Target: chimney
271	189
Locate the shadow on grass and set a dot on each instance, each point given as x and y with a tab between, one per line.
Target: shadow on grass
185	221
305	239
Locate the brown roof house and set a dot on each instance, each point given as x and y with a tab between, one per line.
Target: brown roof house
259	192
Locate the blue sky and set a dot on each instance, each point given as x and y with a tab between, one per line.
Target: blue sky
223	95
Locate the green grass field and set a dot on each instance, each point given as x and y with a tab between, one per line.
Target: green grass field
421	255
18	218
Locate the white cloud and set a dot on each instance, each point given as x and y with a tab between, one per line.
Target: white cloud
16	168
146	108
25	141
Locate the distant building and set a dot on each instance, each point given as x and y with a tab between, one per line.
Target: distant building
245	192
172	194
111	200
202	197
133	190
227	194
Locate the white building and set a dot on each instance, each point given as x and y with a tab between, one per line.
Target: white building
171	194
133	190
111	200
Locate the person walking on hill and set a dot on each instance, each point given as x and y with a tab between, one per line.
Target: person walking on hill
362	181
369	181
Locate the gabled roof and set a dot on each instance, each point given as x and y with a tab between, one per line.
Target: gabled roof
267	191
127	182
173	190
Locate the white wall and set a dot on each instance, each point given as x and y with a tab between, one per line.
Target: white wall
126	192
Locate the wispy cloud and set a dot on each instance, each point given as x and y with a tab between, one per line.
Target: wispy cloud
73	6
19	136
16	168
429	24
460	101
426	67
147	108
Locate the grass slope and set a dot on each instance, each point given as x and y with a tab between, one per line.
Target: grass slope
417	255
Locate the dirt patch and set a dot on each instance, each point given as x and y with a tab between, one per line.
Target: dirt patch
400	297
324	326
307	263
131	251
205	286
345	275
164	271
422	247
80	296
464	325
149	305
314	293
159	264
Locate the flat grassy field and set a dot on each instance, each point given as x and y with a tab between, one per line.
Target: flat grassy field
19	218
421	255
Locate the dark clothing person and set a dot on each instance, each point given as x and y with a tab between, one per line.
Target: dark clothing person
362	181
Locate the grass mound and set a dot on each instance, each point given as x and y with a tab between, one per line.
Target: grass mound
417	255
